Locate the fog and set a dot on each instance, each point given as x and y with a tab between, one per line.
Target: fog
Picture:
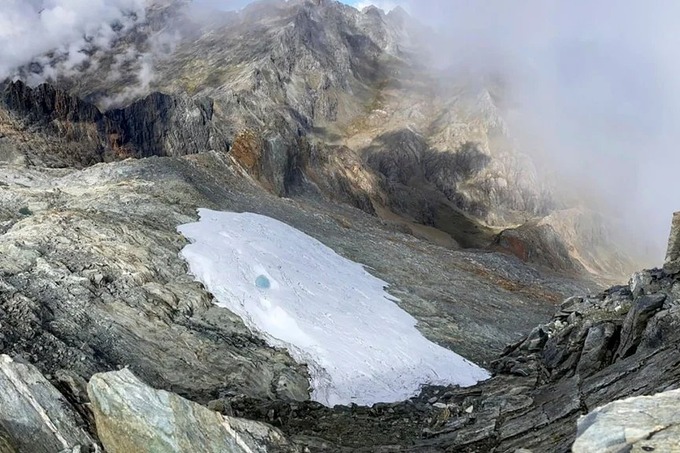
593	93
43	40
591	89
69	30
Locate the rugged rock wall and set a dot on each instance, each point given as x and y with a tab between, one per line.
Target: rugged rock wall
78	134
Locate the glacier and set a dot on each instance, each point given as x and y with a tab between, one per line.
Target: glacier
327	311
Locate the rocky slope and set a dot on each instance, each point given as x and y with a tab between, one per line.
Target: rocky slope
129	416
322	117
91	281
107	234
595	350
317	98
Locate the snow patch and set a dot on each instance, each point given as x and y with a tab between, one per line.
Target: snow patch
326	310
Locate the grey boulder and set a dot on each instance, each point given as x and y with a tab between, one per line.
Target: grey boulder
131	416
644	423
34	416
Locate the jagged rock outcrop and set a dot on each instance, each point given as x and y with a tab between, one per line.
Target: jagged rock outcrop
45	104
78	134
644	423
162	125
672	264
131	416
34	416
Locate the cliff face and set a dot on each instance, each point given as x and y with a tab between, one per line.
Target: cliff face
162	125
77	133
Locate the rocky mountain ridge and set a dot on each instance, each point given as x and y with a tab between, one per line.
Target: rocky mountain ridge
320	116
320	100
158	125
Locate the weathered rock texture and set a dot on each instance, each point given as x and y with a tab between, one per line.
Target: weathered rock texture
597	349
107	235
78	134
34	416
325	105
672	264
641	424
132	417
91	280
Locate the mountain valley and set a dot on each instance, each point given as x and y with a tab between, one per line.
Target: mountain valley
335	122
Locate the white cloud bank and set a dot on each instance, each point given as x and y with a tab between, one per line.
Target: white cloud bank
594	89
69	30
327	311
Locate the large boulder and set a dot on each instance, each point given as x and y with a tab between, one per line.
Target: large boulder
645	423
34	416
131	416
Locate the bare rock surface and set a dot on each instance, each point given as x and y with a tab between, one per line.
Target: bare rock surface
131	416
641	424
318	115
597	349
34	416
91	281
672	263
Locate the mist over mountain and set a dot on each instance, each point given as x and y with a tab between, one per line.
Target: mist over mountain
590	87
220	219
584	88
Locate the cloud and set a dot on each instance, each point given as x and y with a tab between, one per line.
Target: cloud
60	35
592	90
386	5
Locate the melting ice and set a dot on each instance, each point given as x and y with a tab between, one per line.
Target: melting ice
326	310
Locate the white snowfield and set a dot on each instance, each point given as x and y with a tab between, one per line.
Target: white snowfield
327	311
